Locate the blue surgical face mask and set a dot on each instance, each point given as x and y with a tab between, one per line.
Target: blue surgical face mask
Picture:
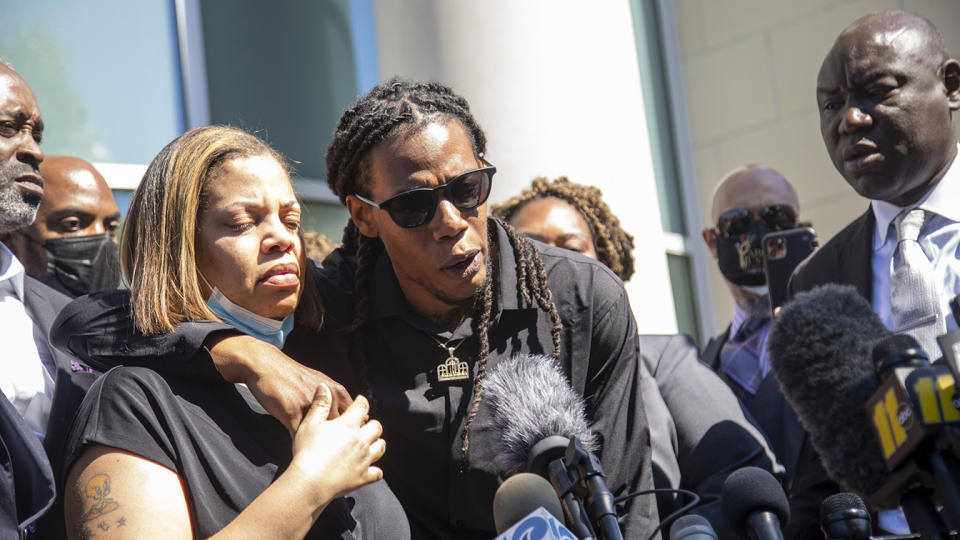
263	328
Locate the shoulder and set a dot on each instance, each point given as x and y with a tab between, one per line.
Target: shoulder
821	265
672	348
579	281
39	295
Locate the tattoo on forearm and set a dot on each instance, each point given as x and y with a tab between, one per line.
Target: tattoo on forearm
97	491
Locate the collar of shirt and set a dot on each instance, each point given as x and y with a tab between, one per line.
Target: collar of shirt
941	200
11	273
739	317
390	301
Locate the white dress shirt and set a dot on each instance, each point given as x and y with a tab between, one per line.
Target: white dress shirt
26	366
940	240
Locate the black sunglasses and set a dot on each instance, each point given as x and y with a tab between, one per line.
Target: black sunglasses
413	208
736	222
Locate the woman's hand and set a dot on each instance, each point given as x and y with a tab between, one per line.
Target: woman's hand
337	453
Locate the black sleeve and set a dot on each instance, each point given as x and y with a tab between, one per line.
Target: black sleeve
714	435
616	409
98	329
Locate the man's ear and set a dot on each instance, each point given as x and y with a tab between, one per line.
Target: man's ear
951	80
362	215
710	240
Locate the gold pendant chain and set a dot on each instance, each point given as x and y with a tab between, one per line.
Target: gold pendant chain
452	369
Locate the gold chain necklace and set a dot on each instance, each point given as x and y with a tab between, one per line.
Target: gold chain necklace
452	369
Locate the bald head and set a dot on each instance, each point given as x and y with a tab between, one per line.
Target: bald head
752	187
889	27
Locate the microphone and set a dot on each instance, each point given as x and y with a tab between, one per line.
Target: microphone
844	516
521	494
819	350
543	427
754	504
871	437
525	507
692	527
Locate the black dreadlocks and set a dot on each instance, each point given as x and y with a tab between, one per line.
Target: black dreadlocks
403	107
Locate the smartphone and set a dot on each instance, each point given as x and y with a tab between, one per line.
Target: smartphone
782	252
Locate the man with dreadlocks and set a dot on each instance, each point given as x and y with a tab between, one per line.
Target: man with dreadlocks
424	297
698	431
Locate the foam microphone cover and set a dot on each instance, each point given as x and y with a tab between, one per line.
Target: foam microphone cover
820	352
531	399
749	490
521	494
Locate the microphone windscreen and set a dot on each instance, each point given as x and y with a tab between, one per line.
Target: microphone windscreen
749	490
820	352
692	527
521	494
531	399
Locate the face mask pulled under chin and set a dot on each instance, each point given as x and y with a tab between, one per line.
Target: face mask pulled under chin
78	265
263	328
741	259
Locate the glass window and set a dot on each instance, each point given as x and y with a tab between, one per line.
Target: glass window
681	277
105	73
285	71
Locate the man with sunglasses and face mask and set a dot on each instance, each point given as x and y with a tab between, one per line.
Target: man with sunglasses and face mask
72	244
748	203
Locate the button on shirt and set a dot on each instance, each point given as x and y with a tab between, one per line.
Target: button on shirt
25	362
939	239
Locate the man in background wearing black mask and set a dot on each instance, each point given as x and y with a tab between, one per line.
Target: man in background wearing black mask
72	244
748	203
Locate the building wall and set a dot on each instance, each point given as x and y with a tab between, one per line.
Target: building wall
749	77
556	86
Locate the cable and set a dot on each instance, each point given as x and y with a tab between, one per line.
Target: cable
694	500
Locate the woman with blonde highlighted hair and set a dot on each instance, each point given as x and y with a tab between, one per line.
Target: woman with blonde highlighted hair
213	233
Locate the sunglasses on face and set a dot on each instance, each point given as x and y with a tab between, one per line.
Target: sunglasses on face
413	208
735	222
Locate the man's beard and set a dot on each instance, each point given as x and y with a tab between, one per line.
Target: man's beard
17	208
754	305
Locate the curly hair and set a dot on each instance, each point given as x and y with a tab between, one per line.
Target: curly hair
398	108
613	244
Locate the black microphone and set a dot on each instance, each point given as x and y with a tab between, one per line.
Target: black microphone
692	527
521	494
819	350
844	516
754	504
543	427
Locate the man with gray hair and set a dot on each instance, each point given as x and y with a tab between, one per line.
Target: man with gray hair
33	420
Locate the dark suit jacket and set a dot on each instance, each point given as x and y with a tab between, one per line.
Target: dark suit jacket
699	433
29	472
846	259
806	482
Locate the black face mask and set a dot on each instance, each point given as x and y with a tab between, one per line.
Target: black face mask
741	258
78	265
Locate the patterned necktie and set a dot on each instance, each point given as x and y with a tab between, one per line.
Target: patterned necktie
740	358
914	291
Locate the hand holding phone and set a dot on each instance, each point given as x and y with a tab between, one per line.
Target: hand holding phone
782	252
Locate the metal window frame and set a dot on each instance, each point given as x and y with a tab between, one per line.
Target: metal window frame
677	244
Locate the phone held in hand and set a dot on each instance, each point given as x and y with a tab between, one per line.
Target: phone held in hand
782	252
